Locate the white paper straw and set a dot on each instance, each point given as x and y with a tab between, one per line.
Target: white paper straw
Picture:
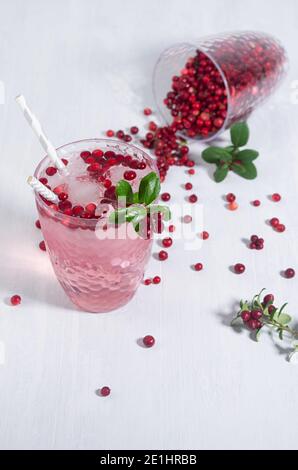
37	129
42	189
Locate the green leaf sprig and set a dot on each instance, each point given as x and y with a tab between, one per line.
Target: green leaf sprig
257	315
135	206
232	157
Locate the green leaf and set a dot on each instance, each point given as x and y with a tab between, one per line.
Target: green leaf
247	155
230	148
258	333
135	213
135	198
164	210
239	134
123	189
246	170
220	173
216	154
284	319
280	334
149	188
118	216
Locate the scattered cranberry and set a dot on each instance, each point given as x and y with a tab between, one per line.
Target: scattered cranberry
165	197
187	219
127	138
129	175
51	171
256	202
191	171
245	315
233	206
167	242
276	197
163	255
42	246
134	130
148	341
205	235
230	197
15	300
198	267
239	268
274	222
37	224
256	242
156	280
147	111
268	299
120	134
193	198
105	391
289	273
280	228
188	186
147	282
172	228
110	133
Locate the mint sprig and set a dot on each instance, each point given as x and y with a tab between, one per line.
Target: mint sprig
232	158
257	315
136	206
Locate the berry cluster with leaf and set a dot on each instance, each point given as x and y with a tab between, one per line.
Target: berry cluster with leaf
258	314
137	207
233	157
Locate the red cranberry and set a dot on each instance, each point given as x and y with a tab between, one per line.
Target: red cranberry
191	171
91	208
156	280
187	219
245	315
274	222
51	171
193	198
42	246
167	242
276	197
127	138
289	273
85	154
62	196
152	126
230	197
239	268
64	161
147	111
97	153
15	300
63	205
254	238
134	130
107	183
147	282
253	324
205	235
129	175
172	228
165	197
163	255
120	134
188	186
110	133
43	180
268	299
105	391
148	341
271	309
256	314
280	228
198	267
77	210
256	203
37	224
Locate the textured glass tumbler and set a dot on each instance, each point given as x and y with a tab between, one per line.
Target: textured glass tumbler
250	66
99	273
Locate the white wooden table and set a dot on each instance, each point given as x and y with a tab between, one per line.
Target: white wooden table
86	66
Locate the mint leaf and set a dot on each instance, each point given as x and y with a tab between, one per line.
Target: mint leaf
149	188
239	134
123	189
245	169
247	155
221	172
215	154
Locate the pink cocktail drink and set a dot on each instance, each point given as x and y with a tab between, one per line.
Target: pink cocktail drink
98	265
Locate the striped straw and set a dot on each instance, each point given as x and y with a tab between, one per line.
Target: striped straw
42	189
36	127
